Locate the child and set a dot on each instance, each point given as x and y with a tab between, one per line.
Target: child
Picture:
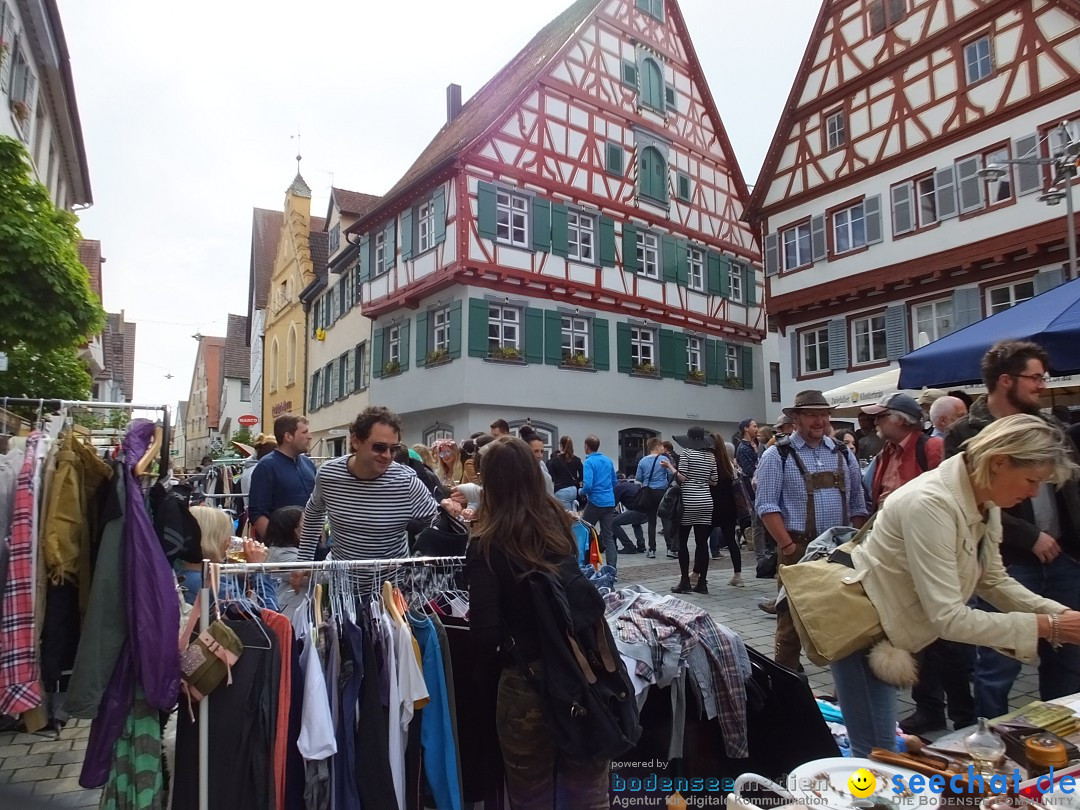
283	538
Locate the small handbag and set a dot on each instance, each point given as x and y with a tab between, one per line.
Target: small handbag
829	607
208	659
671	506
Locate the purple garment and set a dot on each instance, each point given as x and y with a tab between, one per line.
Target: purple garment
150	655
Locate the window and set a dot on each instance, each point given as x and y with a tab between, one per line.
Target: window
316	316
652	174
695	267
868	336
438	431
735	276
648	254
849	229
731	360
335	381
774	382
642	347
977	62
393	345
380	253
580	232
797	250
348	297
425	226
440	330
933	319
654	8
512	218
815	350
886	13
315	396
1000	299
343	376
1000	190
652	84
245	391
683	187
693	355
290	357
926	193
575	336
614	159
361	368
504	328
836	130
335	239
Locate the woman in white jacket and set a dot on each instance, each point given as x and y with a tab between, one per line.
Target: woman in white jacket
935	544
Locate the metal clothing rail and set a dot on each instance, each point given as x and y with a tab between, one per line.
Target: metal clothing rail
259	568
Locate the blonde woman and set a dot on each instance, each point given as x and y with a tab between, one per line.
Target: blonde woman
216	529
935	544
448	466
425	454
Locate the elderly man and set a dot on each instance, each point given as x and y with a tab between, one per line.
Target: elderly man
908	452
807	483
944	411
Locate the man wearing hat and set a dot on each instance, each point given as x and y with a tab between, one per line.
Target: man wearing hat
785	425
806	484
908	452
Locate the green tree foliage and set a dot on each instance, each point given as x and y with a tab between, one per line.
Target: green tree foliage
243	435
45	291
49	374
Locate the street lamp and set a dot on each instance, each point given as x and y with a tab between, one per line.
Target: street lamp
1064	163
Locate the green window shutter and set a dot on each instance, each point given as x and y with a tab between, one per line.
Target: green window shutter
629	73
377	353
747	367
622	347
406	234
404	335
363	259
455	330
652	174
668	350
682	368
607	242
478	327
613	158
421	339
721	361
485	216
749	285
534	335
629	248
541	224
682	263
552	337
670	248
712	273
438	204
391	243
559	244
601	345
712	369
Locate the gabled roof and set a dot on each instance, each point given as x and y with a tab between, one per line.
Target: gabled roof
352	203
265	231
317	244
492	100
90	258
237	354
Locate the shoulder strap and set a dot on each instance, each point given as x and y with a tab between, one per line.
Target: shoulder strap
920	452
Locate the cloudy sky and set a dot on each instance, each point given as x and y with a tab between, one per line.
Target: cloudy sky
187	110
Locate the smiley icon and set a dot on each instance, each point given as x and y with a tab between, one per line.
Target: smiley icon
862	783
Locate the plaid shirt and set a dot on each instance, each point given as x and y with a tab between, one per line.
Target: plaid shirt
668	621
20	686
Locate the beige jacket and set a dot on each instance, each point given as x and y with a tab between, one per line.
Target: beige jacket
922	562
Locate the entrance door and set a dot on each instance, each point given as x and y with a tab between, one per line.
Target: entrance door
632	448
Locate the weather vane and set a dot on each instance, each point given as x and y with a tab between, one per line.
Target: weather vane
298	156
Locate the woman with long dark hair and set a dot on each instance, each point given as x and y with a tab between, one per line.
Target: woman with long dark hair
520	528
696	474
724	512
566	473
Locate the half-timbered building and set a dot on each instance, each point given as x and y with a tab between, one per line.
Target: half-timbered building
569	250
881	230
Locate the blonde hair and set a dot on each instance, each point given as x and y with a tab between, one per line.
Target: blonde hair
216	529
424	452
1026	441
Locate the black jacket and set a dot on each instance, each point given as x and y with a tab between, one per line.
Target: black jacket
1019	531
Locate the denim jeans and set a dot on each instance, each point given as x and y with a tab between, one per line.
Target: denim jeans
1059	670
633	518
566	496
601	517
868	704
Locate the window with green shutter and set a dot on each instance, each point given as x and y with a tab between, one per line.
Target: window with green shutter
652	84
613	158
652	175
683	187
629	73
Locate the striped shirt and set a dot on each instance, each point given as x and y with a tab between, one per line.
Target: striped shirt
368	519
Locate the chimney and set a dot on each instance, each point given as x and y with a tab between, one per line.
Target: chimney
453	101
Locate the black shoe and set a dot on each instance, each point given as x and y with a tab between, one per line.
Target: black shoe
768	605
683	586
641	548
701	586
628	550
920	722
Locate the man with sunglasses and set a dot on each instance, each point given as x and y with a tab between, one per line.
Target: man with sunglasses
1040	536
367	498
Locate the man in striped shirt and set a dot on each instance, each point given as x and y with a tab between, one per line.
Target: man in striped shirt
367	497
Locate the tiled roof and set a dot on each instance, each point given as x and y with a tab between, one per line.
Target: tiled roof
495	97
118	352
90	258
353	203
265	232
237	353
318	242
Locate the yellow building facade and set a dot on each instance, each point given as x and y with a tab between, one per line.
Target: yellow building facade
284	355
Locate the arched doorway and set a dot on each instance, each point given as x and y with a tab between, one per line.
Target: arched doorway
632	448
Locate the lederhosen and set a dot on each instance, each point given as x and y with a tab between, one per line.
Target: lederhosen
814	482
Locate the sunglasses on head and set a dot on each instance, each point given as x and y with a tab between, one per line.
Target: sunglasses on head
381	447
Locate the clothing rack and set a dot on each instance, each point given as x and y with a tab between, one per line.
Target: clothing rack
261	568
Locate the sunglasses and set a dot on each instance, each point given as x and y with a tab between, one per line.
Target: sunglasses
381	447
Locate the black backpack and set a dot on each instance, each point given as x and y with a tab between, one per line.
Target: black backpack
588	699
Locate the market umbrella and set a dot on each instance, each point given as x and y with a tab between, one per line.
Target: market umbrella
1051	319
246	449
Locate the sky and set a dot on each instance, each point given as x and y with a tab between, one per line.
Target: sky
190	110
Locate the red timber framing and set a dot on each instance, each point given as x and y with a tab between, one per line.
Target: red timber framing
551	141
906	90
985	261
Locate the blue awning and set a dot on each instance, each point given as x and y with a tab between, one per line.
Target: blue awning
1051	319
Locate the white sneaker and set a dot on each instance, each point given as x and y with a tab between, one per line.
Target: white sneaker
737	581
